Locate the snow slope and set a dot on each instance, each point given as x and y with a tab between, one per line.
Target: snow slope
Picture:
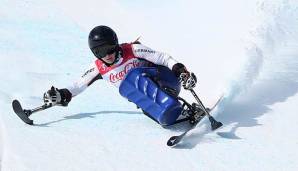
246	50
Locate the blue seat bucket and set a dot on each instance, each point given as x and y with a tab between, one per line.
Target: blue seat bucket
139	88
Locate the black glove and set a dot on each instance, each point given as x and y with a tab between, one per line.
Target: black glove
55	96
188	80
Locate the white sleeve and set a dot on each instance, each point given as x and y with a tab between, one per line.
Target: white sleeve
155	57
91	75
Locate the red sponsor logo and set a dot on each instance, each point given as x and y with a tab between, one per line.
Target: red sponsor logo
115	77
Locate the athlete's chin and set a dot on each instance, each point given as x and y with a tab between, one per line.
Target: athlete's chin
109	61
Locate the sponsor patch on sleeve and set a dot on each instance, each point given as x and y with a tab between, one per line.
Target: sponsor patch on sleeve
145	50
87	72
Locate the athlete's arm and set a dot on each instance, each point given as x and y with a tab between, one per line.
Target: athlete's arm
188	79
156	57
91	74
63	96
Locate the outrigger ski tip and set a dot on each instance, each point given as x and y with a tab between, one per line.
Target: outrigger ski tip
22	114
214	124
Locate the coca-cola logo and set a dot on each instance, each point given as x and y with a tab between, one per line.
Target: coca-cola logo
115	77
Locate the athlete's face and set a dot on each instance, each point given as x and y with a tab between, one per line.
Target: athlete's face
109	58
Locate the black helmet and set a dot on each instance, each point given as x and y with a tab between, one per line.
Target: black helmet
102	41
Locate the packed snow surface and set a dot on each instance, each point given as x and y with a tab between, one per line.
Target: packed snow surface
246	50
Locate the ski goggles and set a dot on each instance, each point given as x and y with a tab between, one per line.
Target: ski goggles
102	51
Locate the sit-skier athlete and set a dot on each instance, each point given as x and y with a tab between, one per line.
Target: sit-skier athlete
148	78
113	62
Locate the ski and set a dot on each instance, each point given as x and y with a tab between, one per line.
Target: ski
22	114
174	140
